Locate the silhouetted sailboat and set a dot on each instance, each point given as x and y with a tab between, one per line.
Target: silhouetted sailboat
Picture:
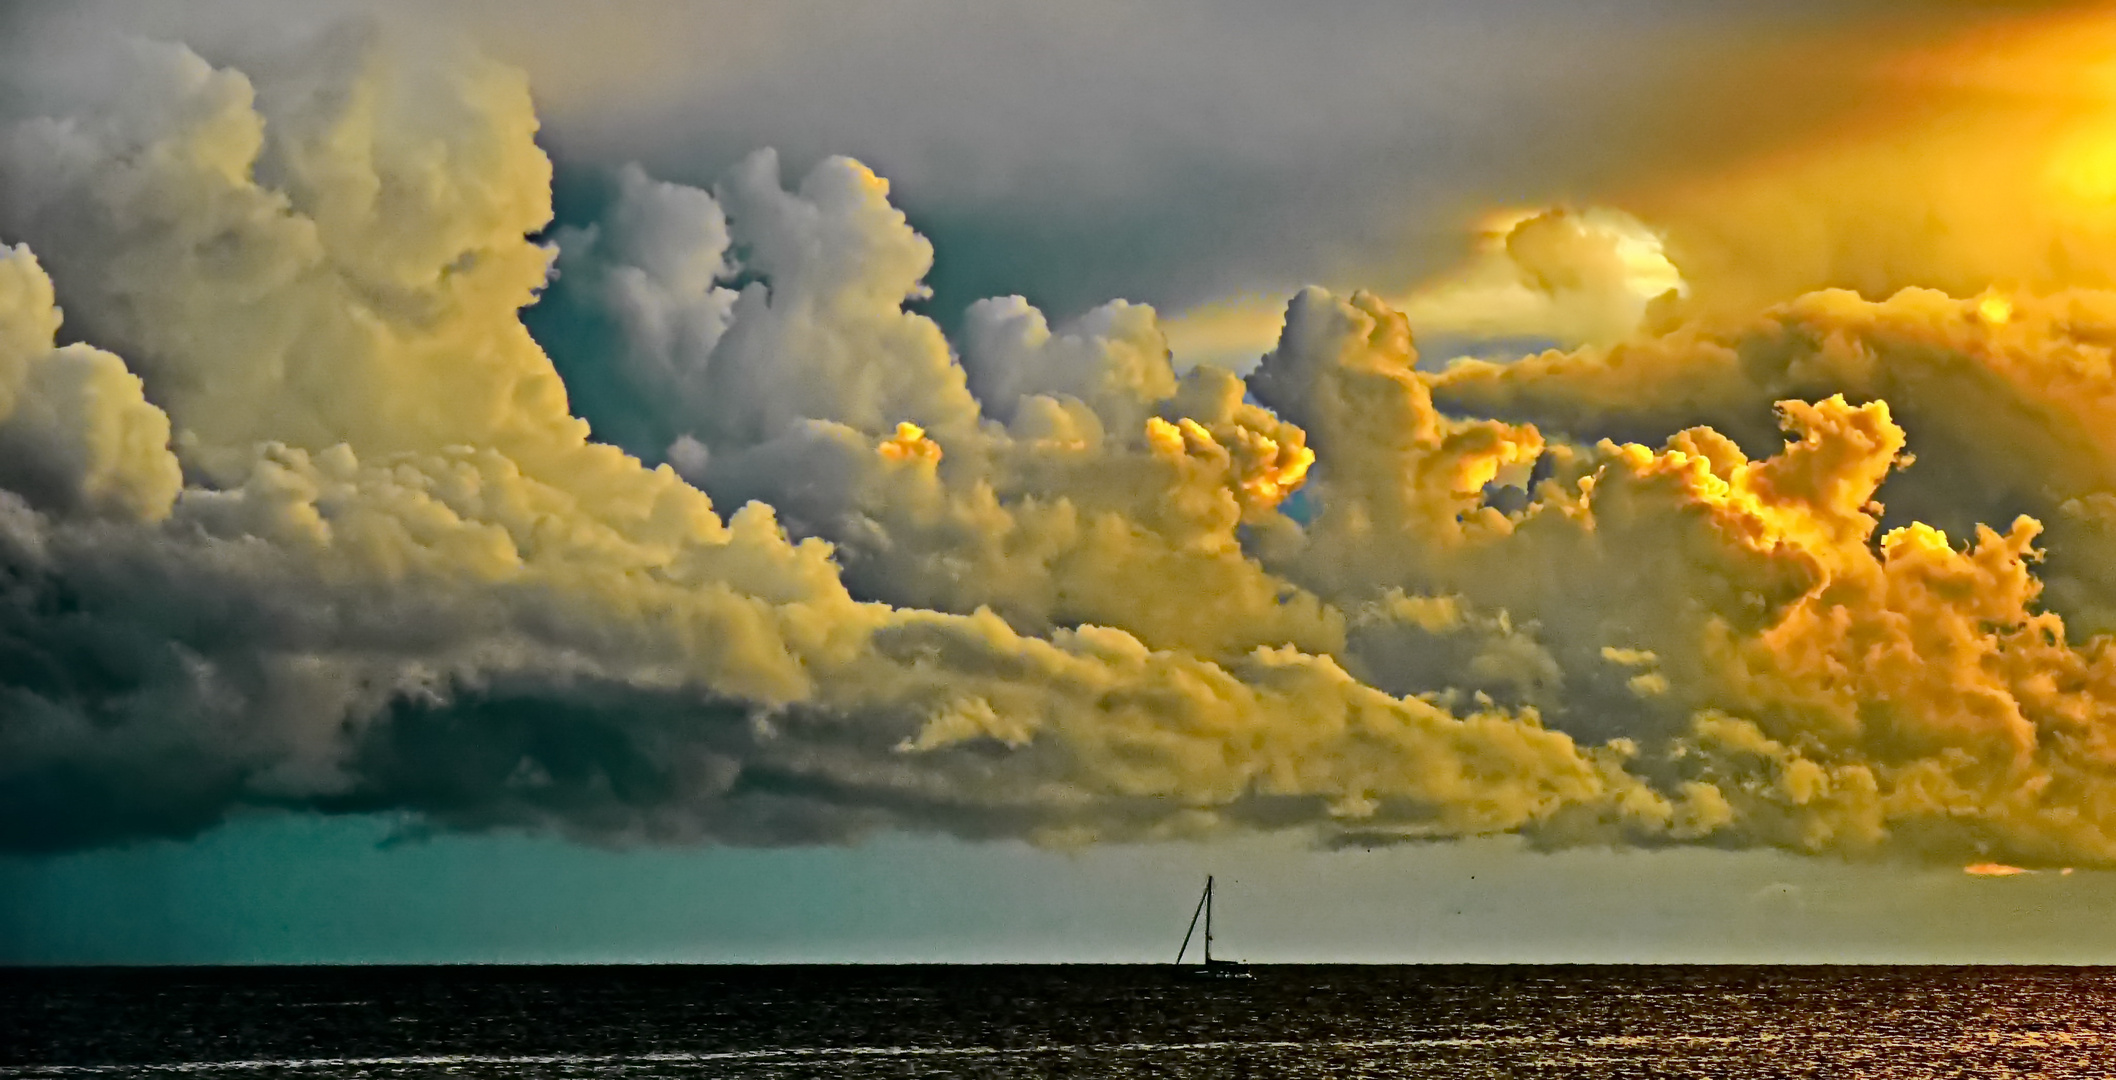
1211	969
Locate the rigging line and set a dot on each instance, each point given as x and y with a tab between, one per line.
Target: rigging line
1193	923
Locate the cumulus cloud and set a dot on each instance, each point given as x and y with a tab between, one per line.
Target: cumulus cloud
398	574
1559	275
742	548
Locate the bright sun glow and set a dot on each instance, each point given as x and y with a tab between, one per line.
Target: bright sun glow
1995	309
2084	166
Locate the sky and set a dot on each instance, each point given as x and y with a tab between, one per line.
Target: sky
1522	481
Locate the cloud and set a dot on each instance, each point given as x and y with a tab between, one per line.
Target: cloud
76	434
1988	869
2002	417
322	530
1946	146
398	574
1552	276
1056	152
1560	275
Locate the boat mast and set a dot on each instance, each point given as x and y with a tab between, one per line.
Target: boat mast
1208	920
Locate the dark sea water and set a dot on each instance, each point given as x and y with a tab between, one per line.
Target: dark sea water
1079	1021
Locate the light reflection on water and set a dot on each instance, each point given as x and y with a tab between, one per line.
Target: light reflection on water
1086	1021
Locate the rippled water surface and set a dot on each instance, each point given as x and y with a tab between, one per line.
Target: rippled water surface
825	1022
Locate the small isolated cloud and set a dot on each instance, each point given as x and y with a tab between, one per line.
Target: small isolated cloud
1992	869
1536	279
1567	276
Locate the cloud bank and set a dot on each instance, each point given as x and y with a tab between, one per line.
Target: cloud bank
296	513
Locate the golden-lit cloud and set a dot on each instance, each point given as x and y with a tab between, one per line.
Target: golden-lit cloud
1990	869
909	444
320	529
1558	274
1553	274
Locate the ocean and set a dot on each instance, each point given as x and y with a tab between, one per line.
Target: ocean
1060	1021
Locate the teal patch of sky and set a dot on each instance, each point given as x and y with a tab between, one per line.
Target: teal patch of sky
278	888
579	337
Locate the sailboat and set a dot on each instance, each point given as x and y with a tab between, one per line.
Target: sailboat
1212	969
